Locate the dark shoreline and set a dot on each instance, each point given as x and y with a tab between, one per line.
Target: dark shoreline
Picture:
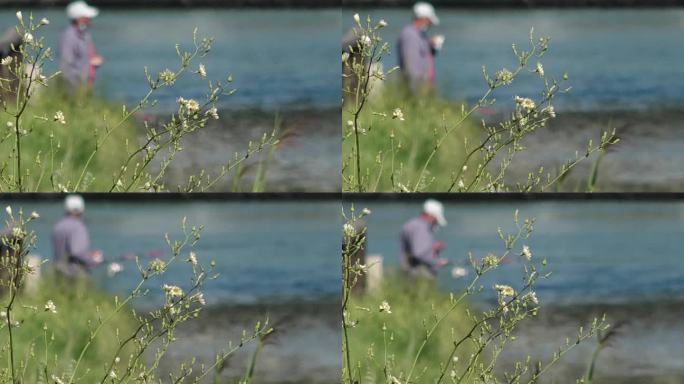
474	4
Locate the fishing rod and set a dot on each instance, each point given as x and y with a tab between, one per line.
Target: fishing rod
459	269
114	266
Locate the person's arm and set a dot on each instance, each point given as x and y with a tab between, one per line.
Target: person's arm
421	243
413	62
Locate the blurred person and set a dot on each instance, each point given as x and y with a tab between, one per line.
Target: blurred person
71	242
350	47
78	59
10	45
419	249
417	51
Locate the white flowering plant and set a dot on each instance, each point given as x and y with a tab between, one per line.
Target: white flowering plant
401	140
411	332
71	141
61	340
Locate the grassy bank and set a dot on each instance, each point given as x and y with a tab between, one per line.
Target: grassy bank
66	332
382	339
394	151
65	148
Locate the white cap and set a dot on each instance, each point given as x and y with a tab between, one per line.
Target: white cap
425	10
78	9
435	209
74	204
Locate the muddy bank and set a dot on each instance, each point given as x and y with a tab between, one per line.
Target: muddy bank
306	159
305	347
647	158
646	349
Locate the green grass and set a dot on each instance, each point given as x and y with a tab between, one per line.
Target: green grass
86	122
415	306
79	305
426	119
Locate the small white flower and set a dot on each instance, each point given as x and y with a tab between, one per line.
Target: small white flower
112	374
117	360
35	215
173	291
526	253
20	17
167	77
366	211
157	265
200	298
461	184
365	40
398	114
357	18
394	380
44	21
28	38
504	290
7	60
57	380
525	103
59	117
50	307
191	104
382	23
385	307
550	111
213	112
192	259
202	71
539	69
8	210
531	297
504	76
348	230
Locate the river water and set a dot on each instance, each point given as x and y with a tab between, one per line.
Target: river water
619	258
